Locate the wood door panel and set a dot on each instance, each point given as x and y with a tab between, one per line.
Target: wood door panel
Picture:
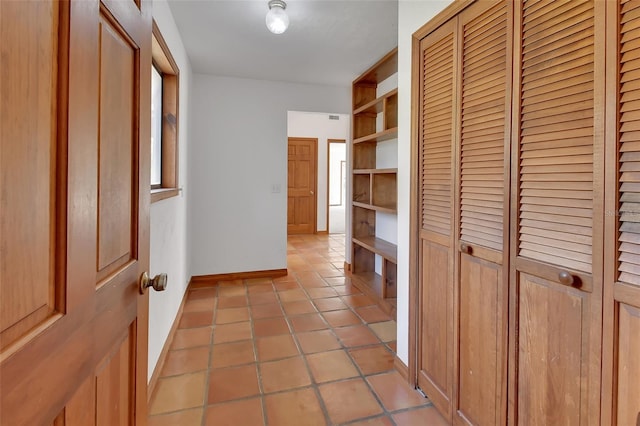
481	347
436	351
117	145
301	186
627	396
113	384
551	348
33	229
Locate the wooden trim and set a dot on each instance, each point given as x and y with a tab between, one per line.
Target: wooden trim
434	23
347	267
381	70
414	211
322	232
163	193
401	368
165	348
199	281
329	142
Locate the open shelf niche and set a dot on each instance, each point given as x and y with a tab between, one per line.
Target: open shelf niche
375	121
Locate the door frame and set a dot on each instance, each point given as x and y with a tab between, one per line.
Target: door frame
329	142
315	180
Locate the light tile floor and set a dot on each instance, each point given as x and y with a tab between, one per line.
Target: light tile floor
302	350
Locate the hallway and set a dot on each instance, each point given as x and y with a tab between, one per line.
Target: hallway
305	349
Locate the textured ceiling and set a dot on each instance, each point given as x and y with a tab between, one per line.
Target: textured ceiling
328	41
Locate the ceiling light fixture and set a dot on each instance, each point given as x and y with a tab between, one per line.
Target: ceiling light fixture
277	19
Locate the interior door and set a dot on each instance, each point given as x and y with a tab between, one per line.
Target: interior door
485	105
301	193
556	281
74	181
437	216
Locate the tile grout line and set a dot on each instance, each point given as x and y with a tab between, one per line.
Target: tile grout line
203	421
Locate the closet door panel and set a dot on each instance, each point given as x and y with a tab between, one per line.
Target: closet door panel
622	300
483	204
556	286
436	204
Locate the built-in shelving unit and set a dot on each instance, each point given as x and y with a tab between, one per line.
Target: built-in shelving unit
375	121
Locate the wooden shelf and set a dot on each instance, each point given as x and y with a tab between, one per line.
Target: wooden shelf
374	171
379	246
384	135
376	106
382	209
381	70
370	284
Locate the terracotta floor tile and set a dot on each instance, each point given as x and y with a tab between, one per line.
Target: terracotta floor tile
227	384
380	421
349	400
199	305
372	314
337	281
428	416
295	408
235	290
317	341
232	332
331	304
276	347
231	354
227	316
299	307
321	292
182	418
258	281
373	360
394	392
262	298
354	300
356	335
284	374
289	276
346	290
196	319
268	310
202	293
259	289
314	283
341	318
232	302
191	337
270	327
308	322
229	283
386	331
292	295
330	366
186	361
178	393
244	412
287	285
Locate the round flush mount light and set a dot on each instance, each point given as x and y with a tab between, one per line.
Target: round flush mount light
277	20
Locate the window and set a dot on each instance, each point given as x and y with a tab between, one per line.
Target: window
164	120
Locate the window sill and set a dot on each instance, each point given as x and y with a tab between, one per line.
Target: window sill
163	193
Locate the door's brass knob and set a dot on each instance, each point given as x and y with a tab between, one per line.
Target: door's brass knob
159	282
565	278
466	248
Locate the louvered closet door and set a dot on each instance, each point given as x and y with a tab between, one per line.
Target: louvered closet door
436	142
624	309
557	200
483	200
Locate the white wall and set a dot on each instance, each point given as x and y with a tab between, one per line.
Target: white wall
317	125
238	153
168	232
412	14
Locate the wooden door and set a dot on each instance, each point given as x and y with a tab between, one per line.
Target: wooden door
74	182
483	205
557	210
621	363
301	193
438	74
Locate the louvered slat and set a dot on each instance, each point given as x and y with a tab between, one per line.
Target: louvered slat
556	138
437	135
629	237
482	133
